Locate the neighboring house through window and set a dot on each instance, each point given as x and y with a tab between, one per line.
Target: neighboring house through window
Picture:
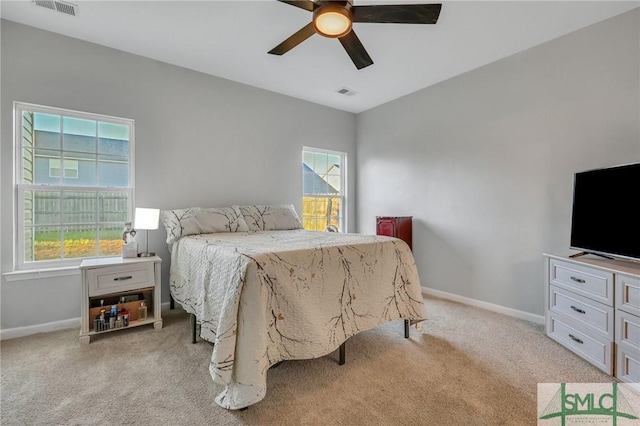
74	176
323	193
70	168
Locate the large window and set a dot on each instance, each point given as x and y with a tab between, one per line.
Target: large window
323	189
74	178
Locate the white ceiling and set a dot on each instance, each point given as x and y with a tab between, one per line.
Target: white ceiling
230	39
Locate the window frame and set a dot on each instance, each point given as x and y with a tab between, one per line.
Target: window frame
343	195
20	188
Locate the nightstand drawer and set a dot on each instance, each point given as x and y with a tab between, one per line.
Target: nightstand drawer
592	347
120	278
593	283
592	314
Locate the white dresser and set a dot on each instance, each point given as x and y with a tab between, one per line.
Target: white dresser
592	307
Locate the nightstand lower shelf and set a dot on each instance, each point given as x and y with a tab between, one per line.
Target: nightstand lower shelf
157	325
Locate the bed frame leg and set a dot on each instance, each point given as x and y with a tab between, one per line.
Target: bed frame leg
406	328
193	329
343	352
172	303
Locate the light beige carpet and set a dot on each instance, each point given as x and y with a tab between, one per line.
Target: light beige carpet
469	367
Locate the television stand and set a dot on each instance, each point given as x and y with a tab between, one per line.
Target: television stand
583	253
592	308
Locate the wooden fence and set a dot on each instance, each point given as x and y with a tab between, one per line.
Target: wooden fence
79	208
319	212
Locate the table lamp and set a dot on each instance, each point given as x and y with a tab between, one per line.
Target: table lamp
146	219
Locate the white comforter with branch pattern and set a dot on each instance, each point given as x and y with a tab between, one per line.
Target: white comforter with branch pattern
270	296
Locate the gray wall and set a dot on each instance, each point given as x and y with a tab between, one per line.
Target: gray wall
485	161
200	141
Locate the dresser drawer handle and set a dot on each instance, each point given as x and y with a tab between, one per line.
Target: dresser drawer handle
123	278
578	310
575	339
578	280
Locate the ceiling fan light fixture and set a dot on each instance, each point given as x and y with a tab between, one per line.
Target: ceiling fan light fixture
332	21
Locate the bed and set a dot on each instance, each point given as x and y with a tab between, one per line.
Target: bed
264	294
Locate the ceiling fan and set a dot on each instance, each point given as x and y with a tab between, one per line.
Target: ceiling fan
334	19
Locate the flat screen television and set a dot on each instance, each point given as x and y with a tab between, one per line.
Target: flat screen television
606	212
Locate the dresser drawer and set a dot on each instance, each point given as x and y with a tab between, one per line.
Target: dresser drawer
592	314
593	283
628	330
591	346
120	278
628	294
628	365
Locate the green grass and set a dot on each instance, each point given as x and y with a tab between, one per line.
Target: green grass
106	234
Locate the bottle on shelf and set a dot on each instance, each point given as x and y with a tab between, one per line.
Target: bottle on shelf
142	311
99	323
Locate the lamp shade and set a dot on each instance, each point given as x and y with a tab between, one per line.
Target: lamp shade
146	218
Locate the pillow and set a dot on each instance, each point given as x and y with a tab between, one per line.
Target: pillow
270	218
198	220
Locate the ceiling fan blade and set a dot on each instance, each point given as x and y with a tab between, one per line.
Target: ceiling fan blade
300	36
398	14
355	50
302	4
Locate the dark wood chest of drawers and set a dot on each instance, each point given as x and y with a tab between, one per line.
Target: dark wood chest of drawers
395	226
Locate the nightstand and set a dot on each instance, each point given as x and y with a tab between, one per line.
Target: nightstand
126	283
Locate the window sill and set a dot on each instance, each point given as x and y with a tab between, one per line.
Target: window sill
34	274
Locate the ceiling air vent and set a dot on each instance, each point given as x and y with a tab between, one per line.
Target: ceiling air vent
58	6
346	91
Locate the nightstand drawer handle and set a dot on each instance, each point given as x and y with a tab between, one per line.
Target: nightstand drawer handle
580	311
578	280
575	339
123	278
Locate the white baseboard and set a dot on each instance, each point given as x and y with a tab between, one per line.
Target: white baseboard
538	319
12	333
